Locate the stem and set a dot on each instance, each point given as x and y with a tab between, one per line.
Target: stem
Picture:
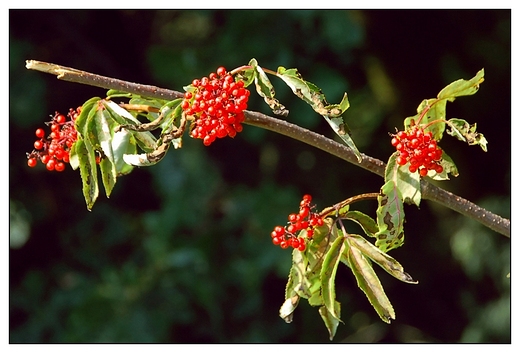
349	201
429	192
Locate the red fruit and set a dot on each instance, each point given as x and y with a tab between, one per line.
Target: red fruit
31	162
40	133
38	144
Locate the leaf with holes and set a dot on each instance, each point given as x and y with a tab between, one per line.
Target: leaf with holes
390	217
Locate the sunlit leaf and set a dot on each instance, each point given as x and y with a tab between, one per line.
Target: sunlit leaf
390	218
266	90
313	95
408	184
462	87
123	143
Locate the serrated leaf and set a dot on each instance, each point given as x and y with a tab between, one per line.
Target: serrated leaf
331	322
388	263
366	222
86	109
390	218
328	275
369	283
462	130
408	184
108	175
88	171
462	87
266	90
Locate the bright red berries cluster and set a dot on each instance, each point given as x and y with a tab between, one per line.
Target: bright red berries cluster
53	150
217	104
305	219
419	149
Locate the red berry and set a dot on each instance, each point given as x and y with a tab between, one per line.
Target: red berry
31	162
40	133
50	165
38	144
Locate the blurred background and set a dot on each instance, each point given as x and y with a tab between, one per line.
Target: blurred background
181	252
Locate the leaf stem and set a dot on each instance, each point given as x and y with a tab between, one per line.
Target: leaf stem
429	191
361	197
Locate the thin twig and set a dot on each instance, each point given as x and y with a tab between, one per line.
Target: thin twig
429	191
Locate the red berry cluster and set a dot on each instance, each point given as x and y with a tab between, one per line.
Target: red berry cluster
53	150
218	105
418	148
305	219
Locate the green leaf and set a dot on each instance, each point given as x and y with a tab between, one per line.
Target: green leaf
312	95
366	222
462	87
266	90
388	263
330	321
108	175
81	120
462	130
408	184
328	275
87	167
390	218
369	283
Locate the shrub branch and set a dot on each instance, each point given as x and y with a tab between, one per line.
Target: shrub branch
429	191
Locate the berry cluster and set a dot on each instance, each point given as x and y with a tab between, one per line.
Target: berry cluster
53	150
217	104
305	219
418	148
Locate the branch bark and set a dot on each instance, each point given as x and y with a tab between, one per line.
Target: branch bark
429	191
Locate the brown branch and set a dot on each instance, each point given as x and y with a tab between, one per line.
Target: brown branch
429	191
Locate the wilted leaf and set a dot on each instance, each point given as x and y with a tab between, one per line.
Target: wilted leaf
266	90
461	129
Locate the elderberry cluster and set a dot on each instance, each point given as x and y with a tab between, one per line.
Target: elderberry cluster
305	219
53	150
418	148
217	104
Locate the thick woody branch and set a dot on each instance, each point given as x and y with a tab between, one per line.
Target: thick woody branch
429	191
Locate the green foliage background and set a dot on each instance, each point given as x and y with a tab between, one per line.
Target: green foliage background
181	251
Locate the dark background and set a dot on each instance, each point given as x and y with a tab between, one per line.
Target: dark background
181	251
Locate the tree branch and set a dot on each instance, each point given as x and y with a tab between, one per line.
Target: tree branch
429	191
